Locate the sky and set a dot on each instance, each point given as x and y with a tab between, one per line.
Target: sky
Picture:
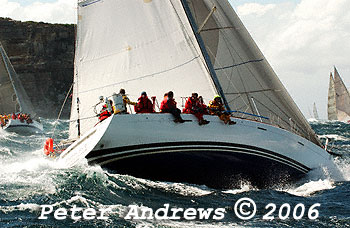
302	39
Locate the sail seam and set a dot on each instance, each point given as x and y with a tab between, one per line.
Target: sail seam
142	77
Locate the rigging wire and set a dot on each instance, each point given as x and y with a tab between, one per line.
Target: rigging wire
59	114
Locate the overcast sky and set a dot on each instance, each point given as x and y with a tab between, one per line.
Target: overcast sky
302	39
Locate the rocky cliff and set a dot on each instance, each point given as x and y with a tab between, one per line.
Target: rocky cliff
42	55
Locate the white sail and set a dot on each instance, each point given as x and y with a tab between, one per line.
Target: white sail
155	52
13	97
338	99
315	112
331	109
342	98
247	80
159	51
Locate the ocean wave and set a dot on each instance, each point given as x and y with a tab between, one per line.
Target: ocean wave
334	137
245	187
311	188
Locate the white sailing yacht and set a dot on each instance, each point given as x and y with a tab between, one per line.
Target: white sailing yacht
338	99
14	99
315	112
184	46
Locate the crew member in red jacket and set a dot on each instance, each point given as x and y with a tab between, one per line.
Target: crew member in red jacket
193	106
144	104
168	105
104	114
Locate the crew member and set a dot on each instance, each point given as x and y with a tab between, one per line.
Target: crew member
216	107
144	104
126	100
193	106
168	105
2	119
104	113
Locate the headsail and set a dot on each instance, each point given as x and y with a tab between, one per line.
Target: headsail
249	83
13	97
156	49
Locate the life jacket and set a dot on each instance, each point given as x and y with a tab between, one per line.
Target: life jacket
215	107
21	118
191	106
167	105
144	105
104	113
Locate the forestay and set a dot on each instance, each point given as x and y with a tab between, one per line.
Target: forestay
13	97
136	45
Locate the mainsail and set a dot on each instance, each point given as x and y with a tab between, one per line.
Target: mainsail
338	99
332	109
181	45
13	97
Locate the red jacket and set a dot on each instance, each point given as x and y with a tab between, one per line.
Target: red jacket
191	106
167	105
144	105
194	106
104	113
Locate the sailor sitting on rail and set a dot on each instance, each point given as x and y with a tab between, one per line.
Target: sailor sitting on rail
216	107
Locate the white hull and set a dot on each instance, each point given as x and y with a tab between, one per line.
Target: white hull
150	145
23	127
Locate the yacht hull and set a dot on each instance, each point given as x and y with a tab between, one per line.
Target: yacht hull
23	127
152	146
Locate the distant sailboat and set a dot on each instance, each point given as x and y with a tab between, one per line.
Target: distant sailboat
185	46
14	99
338	99
314	114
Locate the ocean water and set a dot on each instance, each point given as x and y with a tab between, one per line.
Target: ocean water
31	183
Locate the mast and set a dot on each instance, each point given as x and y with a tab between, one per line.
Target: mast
205	53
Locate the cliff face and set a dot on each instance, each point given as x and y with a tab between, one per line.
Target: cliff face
42	55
